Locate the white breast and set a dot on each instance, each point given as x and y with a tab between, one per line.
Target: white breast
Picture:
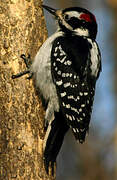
41	69
42	57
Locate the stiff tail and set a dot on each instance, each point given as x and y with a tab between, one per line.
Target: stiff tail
53	140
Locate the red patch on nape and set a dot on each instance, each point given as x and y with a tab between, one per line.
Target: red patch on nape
88	17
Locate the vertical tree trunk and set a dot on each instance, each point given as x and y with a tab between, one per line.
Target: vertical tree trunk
22	30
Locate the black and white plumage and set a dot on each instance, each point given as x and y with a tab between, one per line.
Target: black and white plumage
65	70
74	87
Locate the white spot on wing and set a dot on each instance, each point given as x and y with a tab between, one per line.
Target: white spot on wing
54	64
56	68
83	114
58	59
82	130
63	105
74	76
68	106
77	130
63	94
62	60
78	120
78	98
74	130
81	94
59	83
63	74
67	63
75	110
66	85
81	119
67	75
71	97
80	110
69	117
59	72
61	51
73	118
82	105
56	49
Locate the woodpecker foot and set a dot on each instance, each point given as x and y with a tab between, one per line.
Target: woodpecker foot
28	63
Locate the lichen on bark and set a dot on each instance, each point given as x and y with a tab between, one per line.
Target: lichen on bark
22	30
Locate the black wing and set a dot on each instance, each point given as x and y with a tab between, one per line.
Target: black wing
75	86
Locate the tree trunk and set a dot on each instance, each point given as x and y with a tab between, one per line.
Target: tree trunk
22	30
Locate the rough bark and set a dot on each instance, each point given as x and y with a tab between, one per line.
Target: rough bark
22	30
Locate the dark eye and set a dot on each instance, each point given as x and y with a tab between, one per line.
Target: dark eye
66	17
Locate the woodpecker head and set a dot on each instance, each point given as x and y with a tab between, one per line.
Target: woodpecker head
75	20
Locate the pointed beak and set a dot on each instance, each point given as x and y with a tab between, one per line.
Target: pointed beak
49	9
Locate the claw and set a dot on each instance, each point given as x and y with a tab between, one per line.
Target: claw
14	76
28	63
27	60
30	75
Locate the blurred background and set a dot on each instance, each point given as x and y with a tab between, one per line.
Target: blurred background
96	159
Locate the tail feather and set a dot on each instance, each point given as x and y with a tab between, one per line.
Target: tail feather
53	140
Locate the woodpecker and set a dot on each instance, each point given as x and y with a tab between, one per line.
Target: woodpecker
65	71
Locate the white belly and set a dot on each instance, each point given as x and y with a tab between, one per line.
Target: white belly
41	68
